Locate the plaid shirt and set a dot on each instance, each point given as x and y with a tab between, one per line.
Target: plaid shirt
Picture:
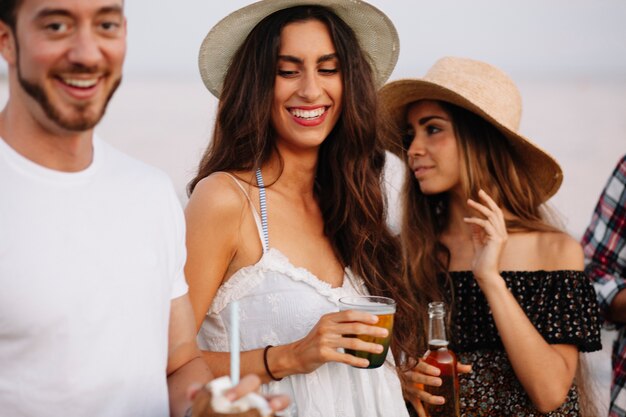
605	249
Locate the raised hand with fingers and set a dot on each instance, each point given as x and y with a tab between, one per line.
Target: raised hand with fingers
489	235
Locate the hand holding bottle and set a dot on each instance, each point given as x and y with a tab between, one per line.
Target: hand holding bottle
423	376
437	370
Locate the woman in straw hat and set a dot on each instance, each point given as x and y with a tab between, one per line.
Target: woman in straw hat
286	212
475	235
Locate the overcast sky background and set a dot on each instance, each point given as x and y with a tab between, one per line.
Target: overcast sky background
574	39
538	38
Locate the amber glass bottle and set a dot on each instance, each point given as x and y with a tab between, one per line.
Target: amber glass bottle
443	358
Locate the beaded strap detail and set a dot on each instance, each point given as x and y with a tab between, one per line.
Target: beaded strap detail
263	207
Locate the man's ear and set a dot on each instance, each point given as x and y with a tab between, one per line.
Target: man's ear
8	48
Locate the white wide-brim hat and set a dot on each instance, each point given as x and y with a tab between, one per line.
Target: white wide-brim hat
484	90
375	32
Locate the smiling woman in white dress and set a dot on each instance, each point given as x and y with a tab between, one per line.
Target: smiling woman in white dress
286	212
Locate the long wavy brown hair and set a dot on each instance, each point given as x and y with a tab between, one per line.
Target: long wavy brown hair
488	162
351	159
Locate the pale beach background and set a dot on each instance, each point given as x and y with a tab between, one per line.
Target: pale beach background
568	58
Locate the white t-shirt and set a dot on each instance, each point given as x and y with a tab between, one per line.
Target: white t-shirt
89	263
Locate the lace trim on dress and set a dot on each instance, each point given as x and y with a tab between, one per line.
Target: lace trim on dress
247	278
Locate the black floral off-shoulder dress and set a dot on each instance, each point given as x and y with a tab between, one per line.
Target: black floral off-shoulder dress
560	304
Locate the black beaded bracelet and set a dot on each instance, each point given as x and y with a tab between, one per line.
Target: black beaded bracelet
267	368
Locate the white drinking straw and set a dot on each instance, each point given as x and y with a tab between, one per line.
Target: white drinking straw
234	342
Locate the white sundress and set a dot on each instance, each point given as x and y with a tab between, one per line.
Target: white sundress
280	303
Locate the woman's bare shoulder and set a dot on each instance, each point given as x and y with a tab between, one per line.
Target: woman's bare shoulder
217	195
560	251
549	251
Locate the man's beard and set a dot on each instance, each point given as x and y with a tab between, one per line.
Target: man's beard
84	120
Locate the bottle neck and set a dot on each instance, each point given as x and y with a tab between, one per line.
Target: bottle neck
437	330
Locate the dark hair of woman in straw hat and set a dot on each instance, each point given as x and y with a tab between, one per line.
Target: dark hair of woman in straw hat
473	204
346	183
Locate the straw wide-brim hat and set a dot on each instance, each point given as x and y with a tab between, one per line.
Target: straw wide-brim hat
484	90
375	32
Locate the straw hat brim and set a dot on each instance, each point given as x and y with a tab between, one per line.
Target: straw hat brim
375	32
397	95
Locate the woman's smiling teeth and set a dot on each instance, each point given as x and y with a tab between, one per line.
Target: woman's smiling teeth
307	114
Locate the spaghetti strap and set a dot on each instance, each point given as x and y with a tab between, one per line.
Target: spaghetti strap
263	207
255	214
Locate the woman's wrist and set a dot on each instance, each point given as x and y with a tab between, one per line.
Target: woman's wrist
268	369
280	361
491	282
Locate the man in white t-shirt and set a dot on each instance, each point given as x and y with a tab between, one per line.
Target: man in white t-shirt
94	312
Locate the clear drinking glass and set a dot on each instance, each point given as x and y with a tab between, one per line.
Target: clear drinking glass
384	308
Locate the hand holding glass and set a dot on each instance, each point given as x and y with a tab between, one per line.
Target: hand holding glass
382	307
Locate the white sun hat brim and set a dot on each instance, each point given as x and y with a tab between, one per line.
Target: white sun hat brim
375	32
